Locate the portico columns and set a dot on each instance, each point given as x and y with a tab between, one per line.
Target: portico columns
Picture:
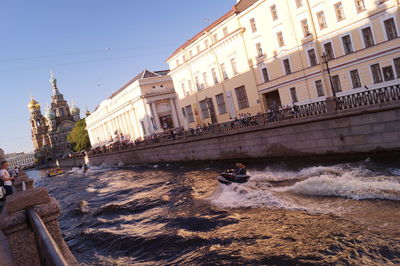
155	115
174	115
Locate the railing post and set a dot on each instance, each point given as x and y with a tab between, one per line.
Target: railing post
331	105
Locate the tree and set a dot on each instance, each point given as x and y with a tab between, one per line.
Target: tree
79	137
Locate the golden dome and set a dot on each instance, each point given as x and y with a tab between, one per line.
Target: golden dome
33	104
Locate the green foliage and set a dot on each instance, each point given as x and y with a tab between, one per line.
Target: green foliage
79	137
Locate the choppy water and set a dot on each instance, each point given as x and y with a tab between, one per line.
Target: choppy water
345	213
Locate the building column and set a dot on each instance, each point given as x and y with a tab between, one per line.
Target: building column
174	115
155	115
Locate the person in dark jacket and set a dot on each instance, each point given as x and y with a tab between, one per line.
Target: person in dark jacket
240	169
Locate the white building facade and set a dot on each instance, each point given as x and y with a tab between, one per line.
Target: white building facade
20	160
146	105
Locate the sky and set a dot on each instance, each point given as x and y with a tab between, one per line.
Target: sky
93	47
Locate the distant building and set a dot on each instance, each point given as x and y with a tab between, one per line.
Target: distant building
20	159
142	107
49	131
265	54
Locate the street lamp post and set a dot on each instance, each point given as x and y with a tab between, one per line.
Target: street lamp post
211	110
325	60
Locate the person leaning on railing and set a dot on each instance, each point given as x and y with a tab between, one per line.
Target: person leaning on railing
6	179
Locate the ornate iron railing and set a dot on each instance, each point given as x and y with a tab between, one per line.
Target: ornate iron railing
49	252
368	97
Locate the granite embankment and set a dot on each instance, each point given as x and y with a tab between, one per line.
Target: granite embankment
368	129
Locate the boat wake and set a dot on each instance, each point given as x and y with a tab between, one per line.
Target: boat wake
295	189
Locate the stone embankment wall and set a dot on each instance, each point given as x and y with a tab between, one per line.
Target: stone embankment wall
361	130
67	162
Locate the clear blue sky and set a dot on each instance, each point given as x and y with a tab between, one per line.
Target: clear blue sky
93	47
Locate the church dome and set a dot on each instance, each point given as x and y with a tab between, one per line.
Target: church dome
33	104
75	110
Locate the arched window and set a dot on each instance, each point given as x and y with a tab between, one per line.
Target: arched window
61	111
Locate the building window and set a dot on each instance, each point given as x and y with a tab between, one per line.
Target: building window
274	13
306	29
225	31
183	89
205	79
279	36
198	49
347	45
184	112
321	20
241	96
259	50
360	6
221	103
224	73
368	38
214	75
355	79
190	54
388	73
253	25
183	58
206	44
286	64
265	74
312	57
329	50
294	95
197	81
339	11
177	62
337	87
376	73
204	109
390	27
320	88
299	3
396	62
234	67
215	37
190	86
189	114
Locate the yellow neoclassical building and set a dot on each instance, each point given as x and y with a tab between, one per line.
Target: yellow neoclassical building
264	54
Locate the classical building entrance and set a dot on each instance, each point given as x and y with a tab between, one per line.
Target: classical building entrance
166	122
272	100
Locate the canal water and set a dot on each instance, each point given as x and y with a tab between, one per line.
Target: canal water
287	214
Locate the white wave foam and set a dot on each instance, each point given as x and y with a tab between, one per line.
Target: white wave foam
76	170
345	186
241	196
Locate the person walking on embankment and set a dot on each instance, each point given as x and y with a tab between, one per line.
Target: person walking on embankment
5	177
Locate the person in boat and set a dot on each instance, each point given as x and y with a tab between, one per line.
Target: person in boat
240	169
85	168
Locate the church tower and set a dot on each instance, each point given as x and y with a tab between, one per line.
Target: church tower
38	125
58	105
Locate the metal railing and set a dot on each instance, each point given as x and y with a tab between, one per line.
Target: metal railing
368	97
49	252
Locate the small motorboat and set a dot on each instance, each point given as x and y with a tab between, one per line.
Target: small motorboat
230	177
54	172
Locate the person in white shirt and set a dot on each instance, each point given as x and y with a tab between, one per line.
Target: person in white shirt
5	177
